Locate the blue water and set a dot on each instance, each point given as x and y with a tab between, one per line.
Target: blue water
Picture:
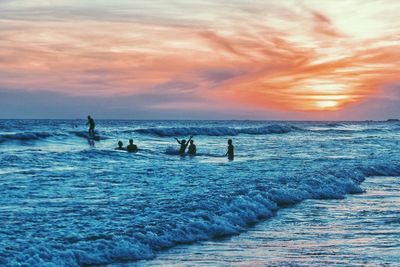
361	230
66	203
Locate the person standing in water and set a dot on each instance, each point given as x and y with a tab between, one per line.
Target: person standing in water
131	148
183	144
231	150
91	124
192	148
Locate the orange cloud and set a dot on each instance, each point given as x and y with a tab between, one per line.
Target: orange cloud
276	56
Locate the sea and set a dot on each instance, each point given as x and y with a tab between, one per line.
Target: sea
296	194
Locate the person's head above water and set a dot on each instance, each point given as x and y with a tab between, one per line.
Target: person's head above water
89	117
120	144
229	141
131	141
183	141
191	142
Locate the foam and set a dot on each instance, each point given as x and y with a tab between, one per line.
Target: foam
117	207
206	220
348	131
217	131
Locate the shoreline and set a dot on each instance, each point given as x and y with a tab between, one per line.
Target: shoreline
326	219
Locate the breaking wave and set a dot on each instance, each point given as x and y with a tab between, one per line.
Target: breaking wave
348	131
218	131
34	136
200	220
28	136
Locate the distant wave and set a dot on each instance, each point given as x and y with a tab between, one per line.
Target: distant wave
348	131
34	136
28	136
217	131
333	124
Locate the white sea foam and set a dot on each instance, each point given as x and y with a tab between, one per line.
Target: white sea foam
209	220
217	131
81	205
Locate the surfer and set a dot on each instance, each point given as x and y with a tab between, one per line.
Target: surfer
131	148
192	148
91	124
120	146
183	144
231	152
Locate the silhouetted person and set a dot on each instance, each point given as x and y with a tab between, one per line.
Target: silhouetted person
131	148
192	148
91	124
183	144
120	146
231	150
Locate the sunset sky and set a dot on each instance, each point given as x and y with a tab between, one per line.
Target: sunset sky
333	60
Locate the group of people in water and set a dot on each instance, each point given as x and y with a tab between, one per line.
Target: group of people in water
192	149
131	148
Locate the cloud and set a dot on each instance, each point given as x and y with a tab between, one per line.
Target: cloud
18	104
276	57
324	26
218	76
382	106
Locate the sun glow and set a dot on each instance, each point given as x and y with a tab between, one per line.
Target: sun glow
274	56
327	104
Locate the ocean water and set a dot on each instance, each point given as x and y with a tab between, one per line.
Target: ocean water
65	202
360	230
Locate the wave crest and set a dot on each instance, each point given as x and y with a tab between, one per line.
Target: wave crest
200	220
28	136
217	131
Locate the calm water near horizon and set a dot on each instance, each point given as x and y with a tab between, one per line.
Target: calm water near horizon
283	200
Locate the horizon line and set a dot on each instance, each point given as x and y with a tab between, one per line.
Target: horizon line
269	120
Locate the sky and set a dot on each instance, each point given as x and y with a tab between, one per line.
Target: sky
166	59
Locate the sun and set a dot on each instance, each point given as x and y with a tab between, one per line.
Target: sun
327	104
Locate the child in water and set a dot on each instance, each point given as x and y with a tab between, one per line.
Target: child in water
120	146
183	144
231	150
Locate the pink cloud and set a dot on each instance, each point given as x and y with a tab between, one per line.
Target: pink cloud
293	58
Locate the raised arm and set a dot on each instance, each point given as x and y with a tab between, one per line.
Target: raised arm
188	142
177	140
